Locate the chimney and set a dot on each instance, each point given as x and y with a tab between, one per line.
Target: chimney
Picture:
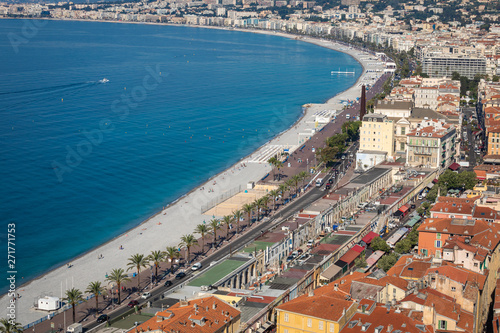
362	103
214	306
311	293
389	328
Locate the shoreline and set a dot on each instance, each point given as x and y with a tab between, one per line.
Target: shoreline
222	185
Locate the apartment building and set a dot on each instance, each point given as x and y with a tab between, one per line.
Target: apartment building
439	66
431	144
377	133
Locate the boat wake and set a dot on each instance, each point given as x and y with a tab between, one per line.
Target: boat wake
58	88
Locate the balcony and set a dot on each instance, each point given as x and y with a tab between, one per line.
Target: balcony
422	153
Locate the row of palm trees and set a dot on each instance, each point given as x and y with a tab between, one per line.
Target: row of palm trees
138	261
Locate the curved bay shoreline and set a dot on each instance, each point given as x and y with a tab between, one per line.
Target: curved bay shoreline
157	231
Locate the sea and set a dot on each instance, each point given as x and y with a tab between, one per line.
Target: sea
103	124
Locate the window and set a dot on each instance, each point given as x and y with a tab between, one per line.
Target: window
309	322
320	325
332	327
438	235
402	146
442	324
437	244
285	331
453	289
403	130
286	318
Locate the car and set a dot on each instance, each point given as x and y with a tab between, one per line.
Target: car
180	275
133	303
103	318
146	295
168	283
310	243
196	266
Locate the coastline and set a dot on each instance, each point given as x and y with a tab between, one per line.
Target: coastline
153	232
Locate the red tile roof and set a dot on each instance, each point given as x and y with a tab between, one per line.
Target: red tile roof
216	313
318	306
459	274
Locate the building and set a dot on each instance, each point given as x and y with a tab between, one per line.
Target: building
315	313
431	144
377	133
439	66
208	315
394	109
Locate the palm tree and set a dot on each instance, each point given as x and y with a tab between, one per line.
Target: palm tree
137	261
203	230
227	221
9	326
188	241
214	226
248	208
274	194
156	257
95	288
259	203
172	253
73	297
273	162
279	165
289	184
265	202
237	217
118	276
295	181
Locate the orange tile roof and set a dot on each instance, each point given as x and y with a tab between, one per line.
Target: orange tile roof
453	226
395	281
410	269
386	319
344	284
318	306
453	208
459	274
204	315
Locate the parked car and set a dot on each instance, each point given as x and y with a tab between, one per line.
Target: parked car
310	243
146	295
168	283
196	266
180	275
103	318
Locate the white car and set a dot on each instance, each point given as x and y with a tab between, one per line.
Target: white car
196	266
145	295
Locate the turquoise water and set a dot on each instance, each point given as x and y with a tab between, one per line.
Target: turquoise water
82	161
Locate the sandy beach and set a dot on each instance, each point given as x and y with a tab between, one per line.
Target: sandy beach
180	218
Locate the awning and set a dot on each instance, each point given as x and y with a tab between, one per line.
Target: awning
435	180
369	237
358	248
349	256
430	185
398	213
454	166
412	221
404	208
330	272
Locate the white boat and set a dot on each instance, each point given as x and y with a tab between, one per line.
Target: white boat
104	80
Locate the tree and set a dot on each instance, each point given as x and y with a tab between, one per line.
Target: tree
379	244
227	220
360	262
274	194
265	203
327	154
137	261
403	246
248	208
259	203
156	257
73	297
118	276
273	162
214	226
455	76
203	230
188	241
172	253
95	288
238	215
295	181
10	326
387	261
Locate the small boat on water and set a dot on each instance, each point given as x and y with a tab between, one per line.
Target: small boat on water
104	80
